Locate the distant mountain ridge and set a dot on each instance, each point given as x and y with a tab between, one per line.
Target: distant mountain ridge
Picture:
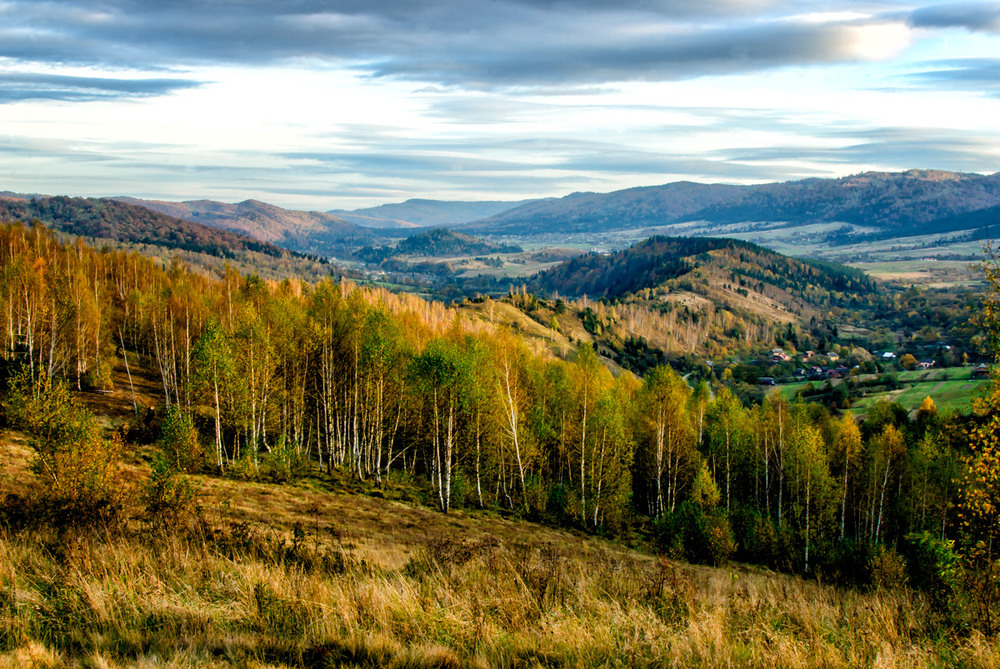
583	212
900	203
304	231
872	206
422	213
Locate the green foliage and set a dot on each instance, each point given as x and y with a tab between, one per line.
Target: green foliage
168	498
704	491
283	463
697	536
179	441
934	568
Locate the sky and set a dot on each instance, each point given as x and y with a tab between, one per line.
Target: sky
313	104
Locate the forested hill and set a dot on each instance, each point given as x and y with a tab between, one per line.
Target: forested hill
589	212
705	261
123	222
423	213
903	203
305	231
437	243
899	204
442	242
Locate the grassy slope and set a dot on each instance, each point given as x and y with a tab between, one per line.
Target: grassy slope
375	582
378	579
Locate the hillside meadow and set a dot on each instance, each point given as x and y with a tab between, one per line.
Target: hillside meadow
317	574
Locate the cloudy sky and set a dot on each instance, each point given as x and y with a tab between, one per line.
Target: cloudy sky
319	104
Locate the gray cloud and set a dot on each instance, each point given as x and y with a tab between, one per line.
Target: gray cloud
667	56
16	86
983	17
450	42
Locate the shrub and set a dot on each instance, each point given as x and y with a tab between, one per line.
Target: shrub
282	463
556	503
98	377
849	563
704	538
932	567
888	569
179	441
78	466
168	498
755	536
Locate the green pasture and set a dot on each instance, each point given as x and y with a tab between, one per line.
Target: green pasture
950	388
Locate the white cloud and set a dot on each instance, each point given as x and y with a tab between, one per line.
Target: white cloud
323	105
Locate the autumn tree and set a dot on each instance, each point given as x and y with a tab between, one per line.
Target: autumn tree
611	459
727	419
668	434
442	374
589	378
214	370
846	448
980	504
512	393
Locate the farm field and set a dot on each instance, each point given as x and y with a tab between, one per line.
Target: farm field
950	388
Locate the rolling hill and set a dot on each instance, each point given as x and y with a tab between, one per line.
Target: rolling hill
437	243
421	213
585	212
733	275
129	223
900	203
895	204
304	231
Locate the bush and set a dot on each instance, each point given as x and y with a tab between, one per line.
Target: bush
755	536
556	504
459	489
932	568
887	568
282	463
98	377
79	467
849	563
699	536
167	497
179	441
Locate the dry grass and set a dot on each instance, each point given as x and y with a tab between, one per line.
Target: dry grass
183	601
284	576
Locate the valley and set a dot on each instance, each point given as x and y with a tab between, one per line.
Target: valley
440	448
526	335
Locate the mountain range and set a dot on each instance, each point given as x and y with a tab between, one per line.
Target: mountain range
108	219
420	213
872	205
903	204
